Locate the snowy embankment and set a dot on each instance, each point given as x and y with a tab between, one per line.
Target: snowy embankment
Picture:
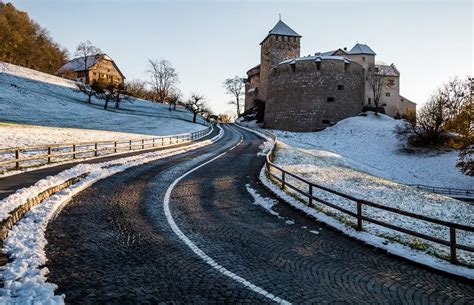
337	173
24	275
34	98
369	144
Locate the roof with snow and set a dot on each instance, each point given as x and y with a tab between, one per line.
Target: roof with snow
315	58
77	64
360	48
283	29
387	70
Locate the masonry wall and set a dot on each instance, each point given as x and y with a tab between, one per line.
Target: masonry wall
275	49
298	94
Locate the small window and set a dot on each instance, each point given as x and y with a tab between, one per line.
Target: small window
326	122
318	65
346	67
293	67
387	93
369	101
363	58
340	87
331	99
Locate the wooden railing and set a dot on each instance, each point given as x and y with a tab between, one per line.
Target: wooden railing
282	179
27	156
452	192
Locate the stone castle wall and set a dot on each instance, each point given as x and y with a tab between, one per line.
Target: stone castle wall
275	49
303	98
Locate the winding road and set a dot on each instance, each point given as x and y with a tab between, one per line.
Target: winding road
185	229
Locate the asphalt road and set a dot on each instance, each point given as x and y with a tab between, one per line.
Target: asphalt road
115	243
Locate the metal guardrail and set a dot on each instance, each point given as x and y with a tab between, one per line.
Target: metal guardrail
360	203
20	157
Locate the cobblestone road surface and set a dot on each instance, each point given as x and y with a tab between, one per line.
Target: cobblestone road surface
113	244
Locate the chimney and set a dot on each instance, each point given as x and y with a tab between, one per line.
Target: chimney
345	48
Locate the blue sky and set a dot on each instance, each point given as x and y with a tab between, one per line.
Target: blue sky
208	41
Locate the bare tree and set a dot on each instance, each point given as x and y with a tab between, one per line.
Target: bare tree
377	83
164	79
137	88
197	105
84	50
87	90
174	99
234	86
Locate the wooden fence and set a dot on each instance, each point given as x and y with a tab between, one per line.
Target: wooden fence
27	156
451	192
282	177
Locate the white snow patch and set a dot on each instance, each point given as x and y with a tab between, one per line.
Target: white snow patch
266	203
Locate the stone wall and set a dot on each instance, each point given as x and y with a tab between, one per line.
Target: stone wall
303	98
275	49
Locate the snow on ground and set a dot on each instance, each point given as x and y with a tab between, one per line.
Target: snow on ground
391	247
35	98
371	146
15	135
24	276
338	173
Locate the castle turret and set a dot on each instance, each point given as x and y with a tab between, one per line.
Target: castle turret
280	44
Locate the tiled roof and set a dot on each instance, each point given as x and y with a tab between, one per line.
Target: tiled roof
361	49
77	64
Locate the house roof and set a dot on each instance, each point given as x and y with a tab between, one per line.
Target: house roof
331	53
283	29
77	64
360	48
386	70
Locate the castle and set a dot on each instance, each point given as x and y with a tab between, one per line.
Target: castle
312	92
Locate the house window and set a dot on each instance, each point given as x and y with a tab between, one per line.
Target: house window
318	65
369	101
330	99
340	87
94	73
391	82
387	93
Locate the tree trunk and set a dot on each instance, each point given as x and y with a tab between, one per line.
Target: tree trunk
194	117
238	106
89	99
117	102
174	106
106	105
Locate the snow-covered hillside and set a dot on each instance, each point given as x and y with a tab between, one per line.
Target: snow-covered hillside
31	97
369	144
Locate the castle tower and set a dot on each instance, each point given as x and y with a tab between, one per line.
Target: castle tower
281	43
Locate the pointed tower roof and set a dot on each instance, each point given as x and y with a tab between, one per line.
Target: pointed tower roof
283	29
360	48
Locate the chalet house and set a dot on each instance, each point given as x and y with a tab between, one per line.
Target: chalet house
93	68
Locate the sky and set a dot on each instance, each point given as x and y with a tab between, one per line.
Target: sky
209	41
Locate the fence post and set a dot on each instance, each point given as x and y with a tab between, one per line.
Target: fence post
74	151
153	144
359	216
17	157
115	146
95	150
282	180
310	194
452	246
130	145
49	154
163	141
143	143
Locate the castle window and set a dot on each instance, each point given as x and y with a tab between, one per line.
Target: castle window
387	93
369	101
346	67
331	99
293	67
318	65
363	58
340	87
